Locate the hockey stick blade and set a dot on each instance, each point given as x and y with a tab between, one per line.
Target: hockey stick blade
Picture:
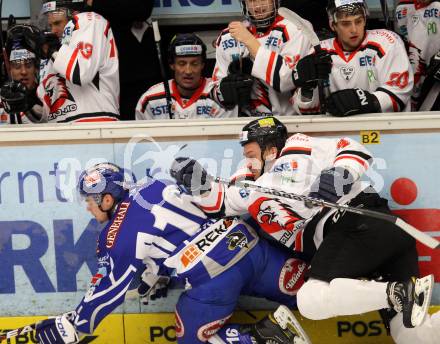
414	232
313	38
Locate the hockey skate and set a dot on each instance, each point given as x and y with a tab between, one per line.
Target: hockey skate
412	298
279	327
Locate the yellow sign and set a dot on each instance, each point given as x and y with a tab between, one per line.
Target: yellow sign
158	328
370	137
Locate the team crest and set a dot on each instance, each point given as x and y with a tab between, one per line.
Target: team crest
347	72
236	239
57	94
415	20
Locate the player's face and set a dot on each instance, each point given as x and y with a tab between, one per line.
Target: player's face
57	20
254	160
24	71
350	31
260	9
95	210
188	72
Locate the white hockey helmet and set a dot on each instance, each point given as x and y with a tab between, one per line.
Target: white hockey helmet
261	13
336	8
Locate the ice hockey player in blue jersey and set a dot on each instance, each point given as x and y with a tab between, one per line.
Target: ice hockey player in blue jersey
155	227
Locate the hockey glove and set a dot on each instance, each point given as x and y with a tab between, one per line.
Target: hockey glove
332	184
241	66
352	101
152	287
433	70
191	175
58	330
235	89
14	97
312	68
51	44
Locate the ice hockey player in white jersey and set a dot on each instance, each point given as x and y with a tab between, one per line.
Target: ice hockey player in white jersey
20	104
368	71
189	89
418	21
342	247
252	86
81	80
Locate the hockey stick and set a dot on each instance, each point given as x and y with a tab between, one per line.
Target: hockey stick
313	38
386	14
166	86
414	232
18	332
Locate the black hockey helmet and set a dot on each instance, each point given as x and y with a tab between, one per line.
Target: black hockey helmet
347	7
184	45
60	5
266	131
21	38
265	22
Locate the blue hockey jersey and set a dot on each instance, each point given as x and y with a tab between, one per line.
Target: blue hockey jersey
158	227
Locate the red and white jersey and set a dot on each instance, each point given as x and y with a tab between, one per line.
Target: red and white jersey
82	83
153	103
380	66
283	43
301	161
420	25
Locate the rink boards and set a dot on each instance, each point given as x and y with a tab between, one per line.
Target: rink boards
159	329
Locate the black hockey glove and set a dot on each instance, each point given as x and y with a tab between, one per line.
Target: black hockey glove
312	68
235	89
352	101
152	287
434	67
243	66
191	175
332	184
14	97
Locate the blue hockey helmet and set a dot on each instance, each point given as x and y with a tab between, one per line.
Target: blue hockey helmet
101	179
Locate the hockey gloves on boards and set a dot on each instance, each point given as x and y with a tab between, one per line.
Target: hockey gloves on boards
191	175
14	97
235	88
332	184
352	101
312	68
58	330
152	287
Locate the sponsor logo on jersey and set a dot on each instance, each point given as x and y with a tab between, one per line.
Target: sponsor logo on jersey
431	13
342	143
402	13
286	166
207	331
347	72
229	43
159	110
180	329
205	110
292	276
286	236
415	19
244	193
272	42
237	239
116	224
367	61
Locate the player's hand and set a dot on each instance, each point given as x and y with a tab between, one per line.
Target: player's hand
235	89
433	69
14	97
352	101
191	175
152	287
332	184
312	68
240	32
58	330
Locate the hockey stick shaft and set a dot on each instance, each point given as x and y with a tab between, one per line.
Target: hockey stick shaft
313	38
431	97
386	14
414	232
157	39
17	332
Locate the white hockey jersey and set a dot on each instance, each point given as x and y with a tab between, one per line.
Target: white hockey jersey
82	83
282	43
301	161
153	103
420	25
380	65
